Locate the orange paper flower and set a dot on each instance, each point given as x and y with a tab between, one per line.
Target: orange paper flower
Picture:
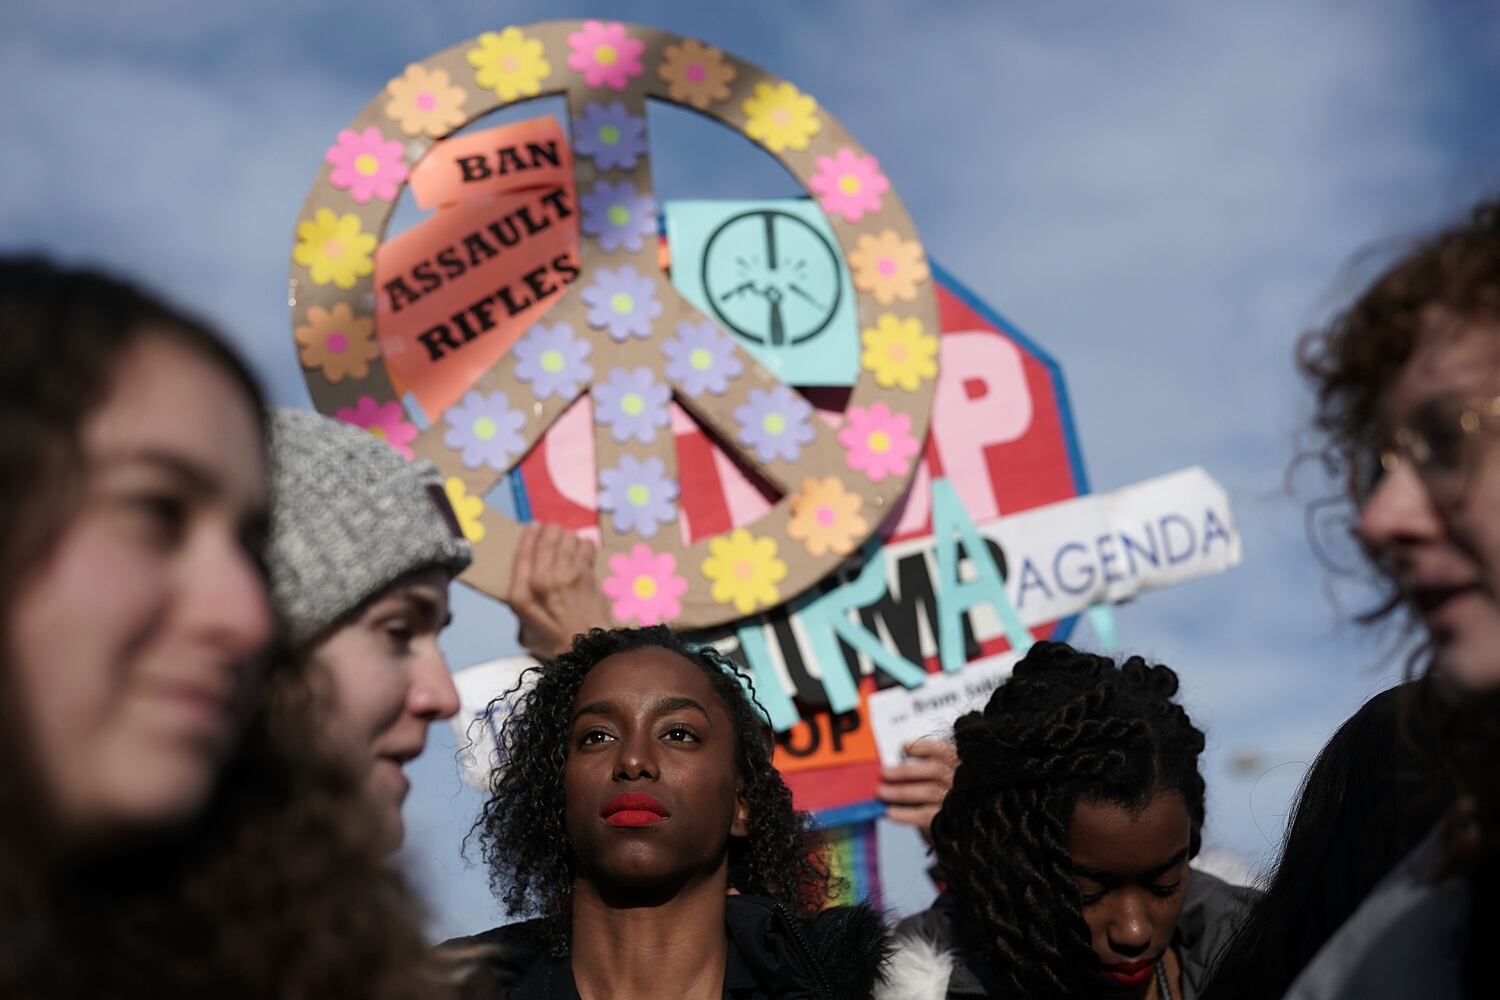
825	517
337	342
888	267
425	101
696	74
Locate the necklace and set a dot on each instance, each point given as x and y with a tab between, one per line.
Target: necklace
1163	988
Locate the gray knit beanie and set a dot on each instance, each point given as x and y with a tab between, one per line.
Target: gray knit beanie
349	517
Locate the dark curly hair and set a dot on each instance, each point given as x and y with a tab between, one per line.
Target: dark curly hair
521	829
1065	727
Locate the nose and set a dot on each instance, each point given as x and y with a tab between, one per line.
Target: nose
1399	513
1129	930
226	600
636	757
432	695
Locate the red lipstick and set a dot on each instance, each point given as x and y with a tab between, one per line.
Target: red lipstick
1130	973
633	809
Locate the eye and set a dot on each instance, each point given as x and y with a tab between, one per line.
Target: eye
400	635
1166	891
163	516
680	734
594	737
1090	898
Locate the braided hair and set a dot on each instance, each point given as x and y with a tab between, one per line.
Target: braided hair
521	829
1065	727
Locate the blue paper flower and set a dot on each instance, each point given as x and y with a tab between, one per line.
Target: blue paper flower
700	358
486	429
610	134
639	494
619	215
553	360
622	301
632	404
777	423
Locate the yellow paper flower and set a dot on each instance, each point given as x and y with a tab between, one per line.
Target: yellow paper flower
337	342
334	249
745	571
695	73
510	64
899	352
825	517
468	508
425	101
888	267
781	117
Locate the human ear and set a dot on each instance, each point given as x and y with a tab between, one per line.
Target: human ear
741	825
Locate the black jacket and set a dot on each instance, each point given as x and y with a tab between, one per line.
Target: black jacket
836	955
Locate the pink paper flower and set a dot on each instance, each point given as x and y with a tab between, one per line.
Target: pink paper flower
850	185
878	442
386	421
366	164
605	55
644	586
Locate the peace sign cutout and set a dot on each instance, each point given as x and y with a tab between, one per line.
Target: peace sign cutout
621	332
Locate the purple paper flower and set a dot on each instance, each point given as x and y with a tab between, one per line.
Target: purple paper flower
776	423
639	494
618	215
553	361
632	404
622	301
700	358
487	430
609	133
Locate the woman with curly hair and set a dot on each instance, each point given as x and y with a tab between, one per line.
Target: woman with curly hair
1408	406
166	830
1066	837
635	812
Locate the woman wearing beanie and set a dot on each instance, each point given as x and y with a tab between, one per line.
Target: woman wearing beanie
363	548
163	831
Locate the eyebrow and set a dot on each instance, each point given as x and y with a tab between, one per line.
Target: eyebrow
662	706
192	474
1151	874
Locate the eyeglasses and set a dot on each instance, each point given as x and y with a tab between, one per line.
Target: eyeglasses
1443	446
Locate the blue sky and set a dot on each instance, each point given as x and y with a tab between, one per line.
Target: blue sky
1164	194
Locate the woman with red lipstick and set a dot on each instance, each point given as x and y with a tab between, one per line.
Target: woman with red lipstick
1066	837
1407	381
636	812
161	833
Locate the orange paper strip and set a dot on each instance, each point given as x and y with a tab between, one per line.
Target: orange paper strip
454	292
497	161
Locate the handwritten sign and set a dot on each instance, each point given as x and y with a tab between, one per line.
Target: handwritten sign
454	292
899	716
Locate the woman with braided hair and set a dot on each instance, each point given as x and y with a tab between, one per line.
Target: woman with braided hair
636	814
1066	837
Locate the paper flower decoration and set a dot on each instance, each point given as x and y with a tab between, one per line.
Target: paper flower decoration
700	358
366	164
744	570
605	54
643	586
468	508
337	342
776	423
878	442
553	361
425	102
618	215
899	352
334	248
610	134
780	117
695	74
825	517
622	301
509	63
888	267
849	185
639	494
632	404
386	421
486	429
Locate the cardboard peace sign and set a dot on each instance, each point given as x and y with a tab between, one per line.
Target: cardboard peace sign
616	327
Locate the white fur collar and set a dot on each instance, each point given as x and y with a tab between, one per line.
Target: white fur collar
919	970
